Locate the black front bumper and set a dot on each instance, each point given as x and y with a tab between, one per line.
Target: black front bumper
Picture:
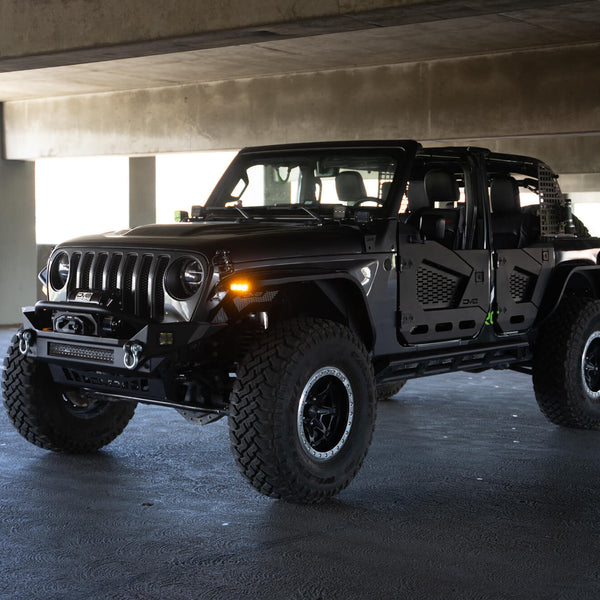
139	365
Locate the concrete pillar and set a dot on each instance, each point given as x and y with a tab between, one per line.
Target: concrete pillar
142	190
18	275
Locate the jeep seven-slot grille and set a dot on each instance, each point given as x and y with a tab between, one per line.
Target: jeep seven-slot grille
133	278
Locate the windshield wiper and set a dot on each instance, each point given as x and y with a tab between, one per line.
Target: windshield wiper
242	212
205	212
293	207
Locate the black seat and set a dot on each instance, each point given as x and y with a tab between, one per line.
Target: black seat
506	212
385	190
417	203
443	224
350	187
415	194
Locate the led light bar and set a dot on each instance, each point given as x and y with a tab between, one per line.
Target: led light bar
80	352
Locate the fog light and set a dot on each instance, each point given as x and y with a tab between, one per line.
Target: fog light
165	338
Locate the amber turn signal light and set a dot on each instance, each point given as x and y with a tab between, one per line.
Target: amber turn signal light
239	286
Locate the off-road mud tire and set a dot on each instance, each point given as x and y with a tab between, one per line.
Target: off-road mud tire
386	391
558	378
43	416
267	398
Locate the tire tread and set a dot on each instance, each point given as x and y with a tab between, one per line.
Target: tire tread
21	380
252	408
556	351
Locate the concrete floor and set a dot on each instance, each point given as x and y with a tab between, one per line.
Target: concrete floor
467	493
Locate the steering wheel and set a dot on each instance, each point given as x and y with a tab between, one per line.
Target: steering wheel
363	200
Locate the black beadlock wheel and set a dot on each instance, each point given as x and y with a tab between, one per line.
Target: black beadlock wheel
302	410
386	391
54	420
566	366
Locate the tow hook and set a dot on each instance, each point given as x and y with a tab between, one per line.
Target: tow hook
25	340
132	354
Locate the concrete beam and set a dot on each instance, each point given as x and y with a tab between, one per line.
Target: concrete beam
566	154
583	182
142	190
381	43
530	94
37	34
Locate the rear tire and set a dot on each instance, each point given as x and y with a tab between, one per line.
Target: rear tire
566	365
53	420
302	411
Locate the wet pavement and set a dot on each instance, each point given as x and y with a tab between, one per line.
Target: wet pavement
467	493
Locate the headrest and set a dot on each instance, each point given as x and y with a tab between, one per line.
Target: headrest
441	186
504	195
350	187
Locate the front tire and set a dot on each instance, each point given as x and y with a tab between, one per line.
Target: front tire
566	365
386	391
302	411
54	420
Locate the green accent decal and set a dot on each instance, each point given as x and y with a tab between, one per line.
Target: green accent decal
491	317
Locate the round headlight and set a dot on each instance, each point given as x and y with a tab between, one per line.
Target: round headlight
184	278
59	271
191	276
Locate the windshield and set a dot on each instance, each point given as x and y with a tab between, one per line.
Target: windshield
310	180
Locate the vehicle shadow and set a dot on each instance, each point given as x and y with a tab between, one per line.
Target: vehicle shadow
472	515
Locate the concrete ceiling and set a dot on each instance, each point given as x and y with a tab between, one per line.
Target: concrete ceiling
382	41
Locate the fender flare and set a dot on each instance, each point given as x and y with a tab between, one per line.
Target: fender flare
568	276
342	290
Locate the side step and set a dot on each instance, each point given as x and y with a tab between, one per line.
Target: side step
421	364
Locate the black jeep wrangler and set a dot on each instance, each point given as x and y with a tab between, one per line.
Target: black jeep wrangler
315	280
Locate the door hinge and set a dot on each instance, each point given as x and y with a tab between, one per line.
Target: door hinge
498	261
403	319
370	243
403	264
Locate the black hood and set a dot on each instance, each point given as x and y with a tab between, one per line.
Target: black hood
246	241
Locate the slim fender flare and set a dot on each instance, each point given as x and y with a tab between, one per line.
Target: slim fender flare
342	290
350	299
569	277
